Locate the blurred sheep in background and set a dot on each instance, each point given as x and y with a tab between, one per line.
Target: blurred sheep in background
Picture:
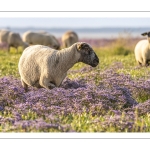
11	39
41	38
142	50
69	38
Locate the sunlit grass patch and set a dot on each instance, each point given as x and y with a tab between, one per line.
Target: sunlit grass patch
86	122
100	99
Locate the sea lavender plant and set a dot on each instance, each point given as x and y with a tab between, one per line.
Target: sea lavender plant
107	94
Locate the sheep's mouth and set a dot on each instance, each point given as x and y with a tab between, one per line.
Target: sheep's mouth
56	47
95	63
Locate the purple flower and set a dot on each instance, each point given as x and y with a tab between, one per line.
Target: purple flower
108	94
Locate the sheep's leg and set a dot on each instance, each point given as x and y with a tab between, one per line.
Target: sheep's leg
145	62
45	82
36	84
17	49
25	86
51	85
140	64
8	48
60	80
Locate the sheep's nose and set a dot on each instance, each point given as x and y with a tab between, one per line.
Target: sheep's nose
96	61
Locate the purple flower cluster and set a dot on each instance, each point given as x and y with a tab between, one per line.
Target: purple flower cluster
102	42
99	42
97	93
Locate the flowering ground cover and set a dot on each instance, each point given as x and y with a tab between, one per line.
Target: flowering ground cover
113	97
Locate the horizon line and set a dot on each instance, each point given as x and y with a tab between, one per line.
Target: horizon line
77	27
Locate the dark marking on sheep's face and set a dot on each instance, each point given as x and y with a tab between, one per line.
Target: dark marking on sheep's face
25	45
146	33
88	56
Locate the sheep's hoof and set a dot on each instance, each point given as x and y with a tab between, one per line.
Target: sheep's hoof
26	90
51	86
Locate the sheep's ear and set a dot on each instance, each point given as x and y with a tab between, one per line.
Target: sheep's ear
79	45
145	33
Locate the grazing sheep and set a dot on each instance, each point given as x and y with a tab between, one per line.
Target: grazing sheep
57	44
41	39
142	50
69	38
12	39
42	66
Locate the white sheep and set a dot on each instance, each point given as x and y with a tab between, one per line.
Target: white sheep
69	38
12	39
34	38
142	51
42	66
55	40
57	44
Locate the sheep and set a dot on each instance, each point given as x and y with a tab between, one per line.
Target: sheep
142	51
11	39
57	44
41	39
42	66
69	38
56	41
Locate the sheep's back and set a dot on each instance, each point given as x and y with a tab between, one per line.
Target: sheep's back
142	50
34	61
4	35
141	46
14	38
37	54
33	38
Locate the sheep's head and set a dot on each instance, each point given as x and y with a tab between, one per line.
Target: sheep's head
53	42
25	45
146	33
57	47
88	55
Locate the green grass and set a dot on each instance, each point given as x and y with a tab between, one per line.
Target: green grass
107	56
84	122
9	63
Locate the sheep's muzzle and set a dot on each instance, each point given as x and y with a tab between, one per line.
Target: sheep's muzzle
95	62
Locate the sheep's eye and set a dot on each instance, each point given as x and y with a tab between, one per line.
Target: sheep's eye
86	48
89	52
